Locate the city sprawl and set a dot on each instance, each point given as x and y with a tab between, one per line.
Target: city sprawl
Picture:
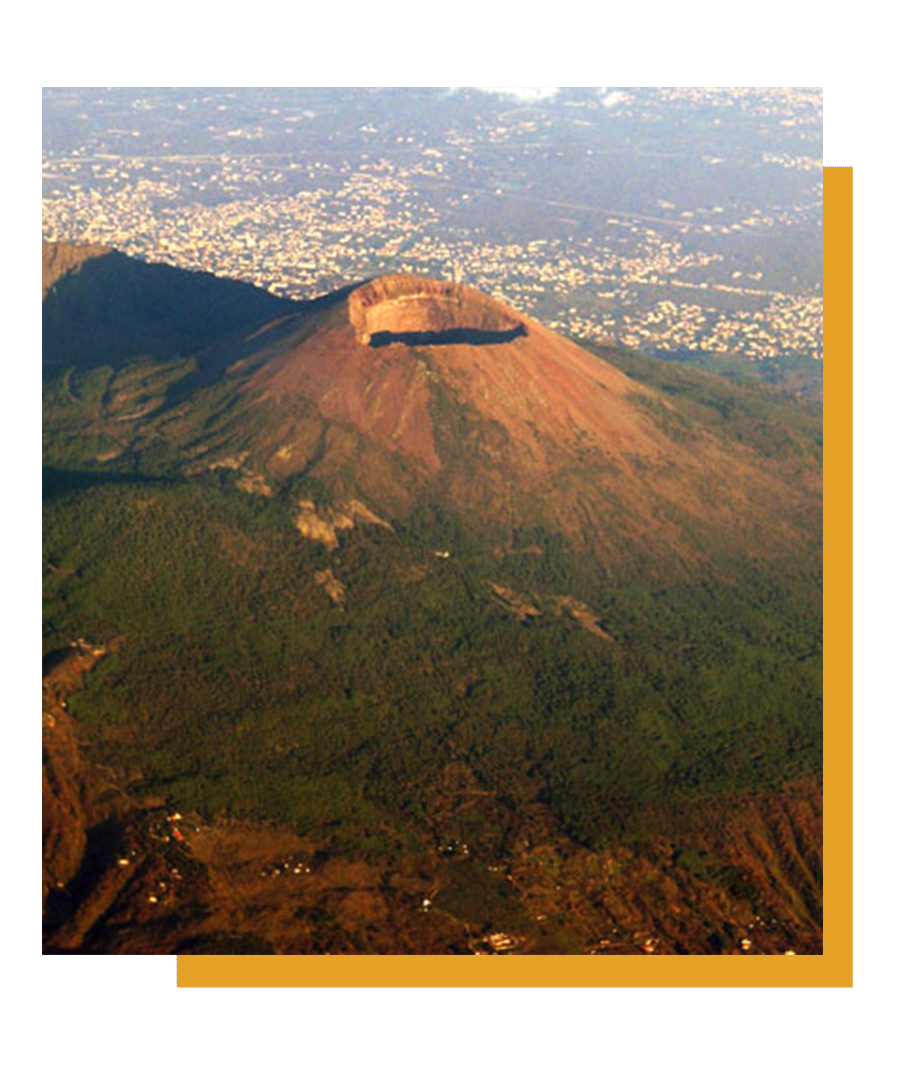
680	221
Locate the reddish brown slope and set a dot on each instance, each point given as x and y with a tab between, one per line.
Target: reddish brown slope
545	391
585	449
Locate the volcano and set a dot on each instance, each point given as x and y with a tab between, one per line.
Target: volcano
397	585
405	390
374	359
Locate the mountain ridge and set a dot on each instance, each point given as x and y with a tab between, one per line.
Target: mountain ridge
527	426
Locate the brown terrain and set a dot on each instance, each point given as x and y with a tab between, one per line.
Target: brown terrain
366	376
545	392
402	305
121	875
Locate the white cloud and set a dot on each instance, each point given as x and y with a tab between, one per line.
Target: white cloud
518	93
611	98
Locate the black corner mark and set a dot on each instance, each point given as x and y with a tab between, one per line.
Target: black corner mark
84	970
837	130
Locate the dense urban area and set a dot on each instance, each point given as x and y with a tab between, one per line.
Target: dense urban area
675	220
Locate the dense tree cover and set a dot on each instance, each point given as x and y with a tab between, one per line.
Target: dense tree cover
755	415
798	377
238	687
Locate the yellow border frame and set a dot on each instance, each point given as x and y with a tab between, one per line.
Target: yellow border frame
831	969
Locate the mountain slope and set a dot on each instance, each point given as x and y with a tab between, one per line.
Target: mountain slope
60	260
405	391
100	307
402	575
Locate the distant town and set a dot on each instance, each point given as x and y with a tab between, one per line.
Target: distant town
586	210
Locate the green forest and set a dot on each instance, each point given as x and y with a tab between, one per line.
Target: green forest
238	687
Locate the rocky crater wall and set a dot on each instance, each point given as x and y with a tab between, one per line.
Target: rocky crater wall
422	311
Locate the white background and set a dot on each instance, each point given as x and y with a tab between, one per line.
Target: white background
111	1017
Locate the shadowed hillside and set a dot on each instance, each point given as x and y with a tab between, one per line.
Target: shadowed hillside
101	307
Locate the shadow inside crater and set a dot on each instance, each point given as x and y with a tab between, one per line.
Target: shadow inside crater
454	336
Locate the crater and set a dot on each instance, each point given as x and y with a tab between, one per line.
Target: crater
453	336
420	311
